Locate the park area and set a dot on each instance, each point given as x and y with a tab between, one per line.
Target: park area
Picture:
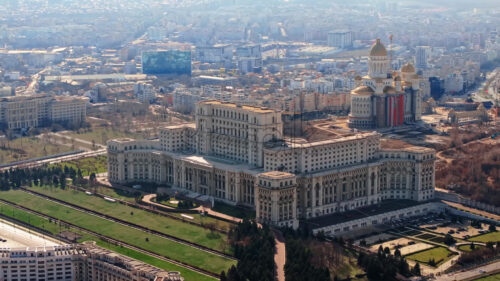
432	257
488	237
100	135
177	228
54	228
469	247
156	244
89	165
29	147
406	246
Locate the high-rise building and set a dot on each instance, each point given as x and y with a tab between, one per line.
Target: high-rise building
340	39
385	98
22	112
422	54
166	62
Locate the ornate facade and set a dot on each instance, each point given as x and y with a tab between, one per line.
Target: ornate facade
237	154
384	98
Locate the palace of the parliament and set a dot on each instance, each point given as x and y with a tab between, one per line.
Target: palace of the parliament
237	154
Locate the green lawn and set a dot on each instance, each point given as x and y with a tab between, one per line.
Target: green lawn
439	254
466	248
487	237
96	164
115	193
170	202
233	211
495	277
189	232
102	135
29	147
138	238
53	228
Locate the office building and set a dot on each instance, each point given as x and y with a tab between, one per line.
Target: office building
422	54
22	112
238	154
166	62
340	39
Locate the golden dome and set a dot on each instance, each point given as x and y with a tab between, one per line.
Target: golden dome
378	49
363	91
407	84
408	68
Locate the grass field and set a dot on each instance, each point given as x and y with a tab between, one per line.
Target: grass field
189	232
233	211
466	248
102	135
28	147
487	237
97	164
439	254
158	245
495	277
53	228
116	193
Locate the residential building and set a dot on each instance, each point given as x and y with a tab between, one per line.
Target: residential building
340	39
78	262
422	54
22	112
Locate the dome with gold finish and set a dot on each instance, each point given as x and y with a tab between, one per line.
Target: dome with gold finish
408	68
363	91
378	49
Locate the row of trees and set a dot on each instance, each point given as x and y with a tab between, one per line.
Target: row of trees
55	176
299	265
254	247
480	255
384	267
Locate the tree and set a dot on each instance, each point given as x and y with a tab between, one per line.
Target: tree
92	178
449	240
397	253
492	228
62	183
416	270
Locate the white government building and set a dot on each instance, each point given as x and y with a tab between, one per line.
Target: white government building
238	154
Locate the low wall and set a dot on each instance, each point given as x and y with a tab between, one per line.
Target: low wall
457	198
384	218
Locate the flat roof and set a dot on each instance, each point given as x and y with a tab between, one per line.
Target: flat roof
18	237
276	175
245	107
364	212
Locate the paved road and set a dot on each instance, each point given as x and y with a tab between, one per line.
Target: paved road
470	274
280	255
